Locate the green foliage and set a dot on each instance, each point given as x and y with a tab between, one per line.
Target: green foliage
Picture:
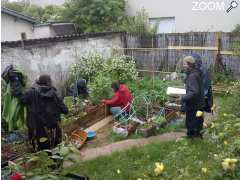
76	108
100	88
94	15
100	72
232	99
221	77
48	13
44	164
88	66
153	89
13	112
138	24
236	29
15	5
236	48
120	68
183	159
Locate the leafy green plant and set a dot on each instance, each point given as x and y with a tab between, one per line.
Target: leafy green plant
94	16
13	112
43	14
120	68
236	47
88	66
100	88
236	29
138	24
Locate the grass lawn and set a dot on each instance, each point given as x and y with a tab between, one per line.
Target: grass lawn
183	159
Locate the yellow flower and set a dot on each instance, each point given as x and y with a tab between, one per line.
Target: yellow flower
204	170
225	142
199	114
139	178
225	165
118	171
229	164
159	167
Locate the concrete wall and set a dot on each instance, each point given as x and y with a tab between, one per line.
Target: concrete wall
11	28
190	15
56	58
43	31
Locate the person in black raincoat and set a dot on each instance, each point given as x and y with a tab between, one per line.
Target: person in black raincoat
193	101
207	83
43	113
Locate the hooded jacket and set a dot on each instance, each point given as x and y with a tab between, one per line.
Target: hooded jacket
194	98
43	106
121	98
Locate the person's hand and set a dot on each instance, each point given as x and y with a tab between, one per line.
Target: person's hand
103	101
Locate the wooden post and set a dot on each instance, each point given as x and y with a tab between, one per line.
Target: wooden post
152	65
218	63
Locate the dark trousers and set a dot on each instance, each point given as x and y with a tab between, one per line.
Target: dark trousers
45	138
194	124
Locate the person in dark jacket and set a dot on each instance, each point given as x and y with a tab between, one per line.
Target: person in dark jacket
194	99
207	83
79	89
82	89
43	113
121	101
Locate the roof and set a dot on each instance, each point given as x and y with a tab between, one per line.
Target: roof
60	28
52	23
19	15
44	41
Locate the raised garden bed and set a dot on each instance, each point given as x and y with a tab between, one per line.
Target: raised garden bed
93	115
10	152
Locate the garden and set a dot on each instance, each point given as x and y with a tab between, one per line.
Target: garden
214	157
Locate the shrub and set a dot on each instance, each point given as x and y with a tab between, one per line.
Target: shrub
120	68
100	88
88	66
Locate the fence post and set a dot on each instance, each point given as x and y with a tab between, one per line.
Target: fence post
218	63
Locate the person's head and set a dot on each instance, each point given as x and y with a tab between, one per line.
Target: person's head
198	60
188	63
82	83
44	80
115	86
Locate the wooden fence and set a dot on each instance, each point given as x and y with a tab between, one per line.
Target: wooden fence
163	51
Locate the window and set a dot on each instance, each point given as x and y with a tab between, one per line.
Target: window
164	24
23	36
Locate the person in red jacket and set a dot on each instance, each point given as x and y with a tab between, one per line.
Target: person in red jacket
120	102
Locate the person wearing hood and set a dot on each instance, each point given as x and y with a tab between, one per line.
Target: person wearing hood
44	108
193	100
207	84
79	89
121	101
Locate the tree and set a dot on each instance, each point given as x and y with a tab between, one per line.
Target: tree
16	6
236	29
94	15
138	24
49	13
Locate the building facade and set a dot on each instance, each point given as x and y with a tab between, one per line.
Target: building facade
188	15
16	26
